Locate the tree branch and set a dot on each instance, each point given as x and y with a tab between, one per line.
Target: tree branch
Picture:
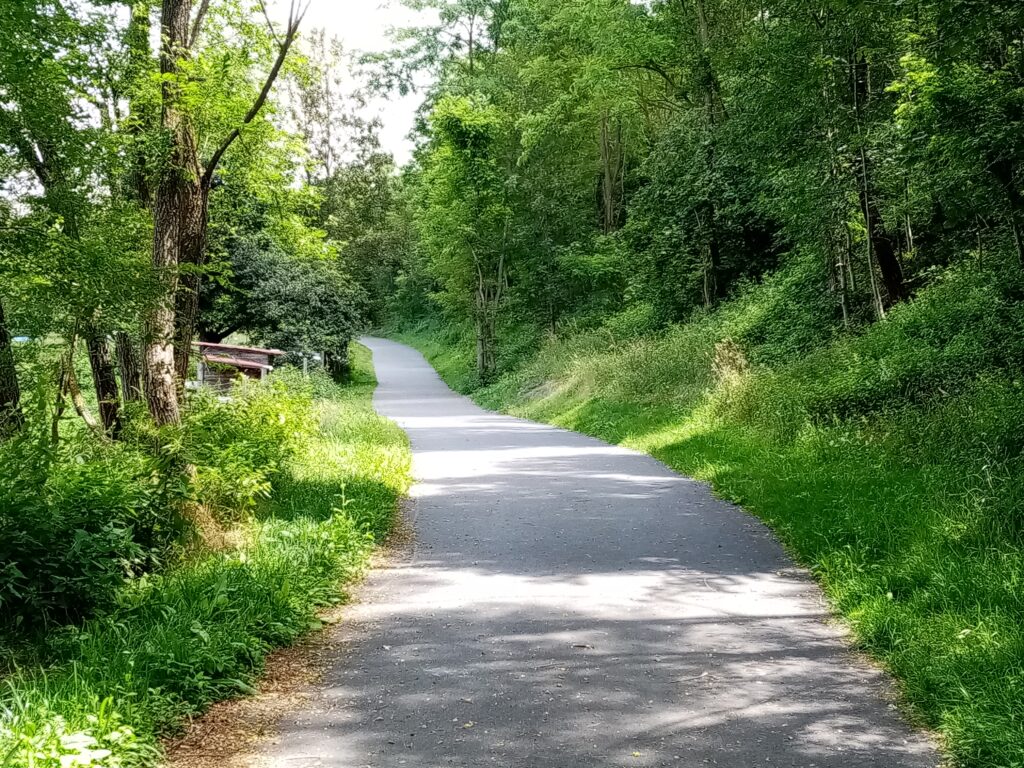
294	21
197	23
270	25
650	66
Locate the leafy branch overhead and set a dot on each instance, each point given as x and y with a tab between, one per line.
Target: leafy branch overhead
284	44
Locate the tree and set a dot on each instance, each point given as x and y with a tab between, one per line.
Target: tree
350	177
10	393
465	219
42	124
181	202
304	306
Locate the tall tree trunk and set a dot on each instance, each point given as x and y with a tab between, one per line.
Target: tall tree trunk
485	353
484	316
131	367
710	90
11	417
175	202
840	277
881	245
102	365
137	183
851	276
104	378
709	254
193	258
158	362
838	252
612	175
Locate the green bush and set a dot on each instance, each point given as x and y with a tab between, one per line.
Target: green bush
176	642
239	444
962	328
75	522
79	518
639	319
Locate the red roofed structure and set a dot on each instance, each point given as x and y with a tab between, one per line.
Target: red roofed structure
221	364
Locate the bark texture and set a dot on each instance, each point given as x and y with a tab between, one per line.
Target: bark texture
10	394
101	363
193	258
175	206
131	367
488	299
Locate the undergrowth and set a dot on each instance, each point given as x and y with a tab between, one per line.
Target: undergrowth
171	641
889	461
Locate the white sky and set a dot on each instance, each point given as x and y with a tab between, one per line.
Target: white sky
362	25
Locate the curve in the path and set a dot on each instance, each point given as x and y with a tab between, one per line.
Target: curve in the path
570	604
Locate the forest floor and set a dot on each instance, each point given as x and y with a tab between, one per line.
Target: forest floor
570	602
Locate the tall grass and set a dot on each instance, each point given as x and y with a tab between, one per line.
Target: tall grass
177	640
891	462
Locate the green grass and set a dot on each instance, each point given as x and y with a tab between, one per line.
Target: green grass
908	506
178	640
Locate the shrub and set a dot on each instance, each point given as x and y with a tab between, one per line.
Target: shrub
958	330
77	519
239	444
74	522
638	319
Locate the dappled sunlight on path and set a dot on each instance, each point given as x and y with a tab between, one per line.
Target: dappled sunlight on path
568	603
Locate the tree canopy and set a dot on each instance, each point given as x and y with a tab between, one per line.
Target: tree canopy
655	157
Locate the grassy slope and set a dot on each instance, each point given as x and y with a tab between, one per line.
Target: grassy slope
910	515
181	640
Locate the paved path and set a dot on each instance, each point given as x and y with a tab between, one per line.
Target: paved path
569	604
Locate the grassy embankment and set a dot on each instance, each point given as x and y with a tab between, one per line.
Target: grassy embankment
177	640
889	462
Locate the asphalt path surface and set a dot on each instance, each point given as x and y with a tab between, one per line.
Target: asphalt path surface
565	603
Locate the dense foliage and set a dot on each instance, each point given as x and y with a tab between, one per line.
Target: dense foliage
163	646
218	182
652	159
112	261
778	245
